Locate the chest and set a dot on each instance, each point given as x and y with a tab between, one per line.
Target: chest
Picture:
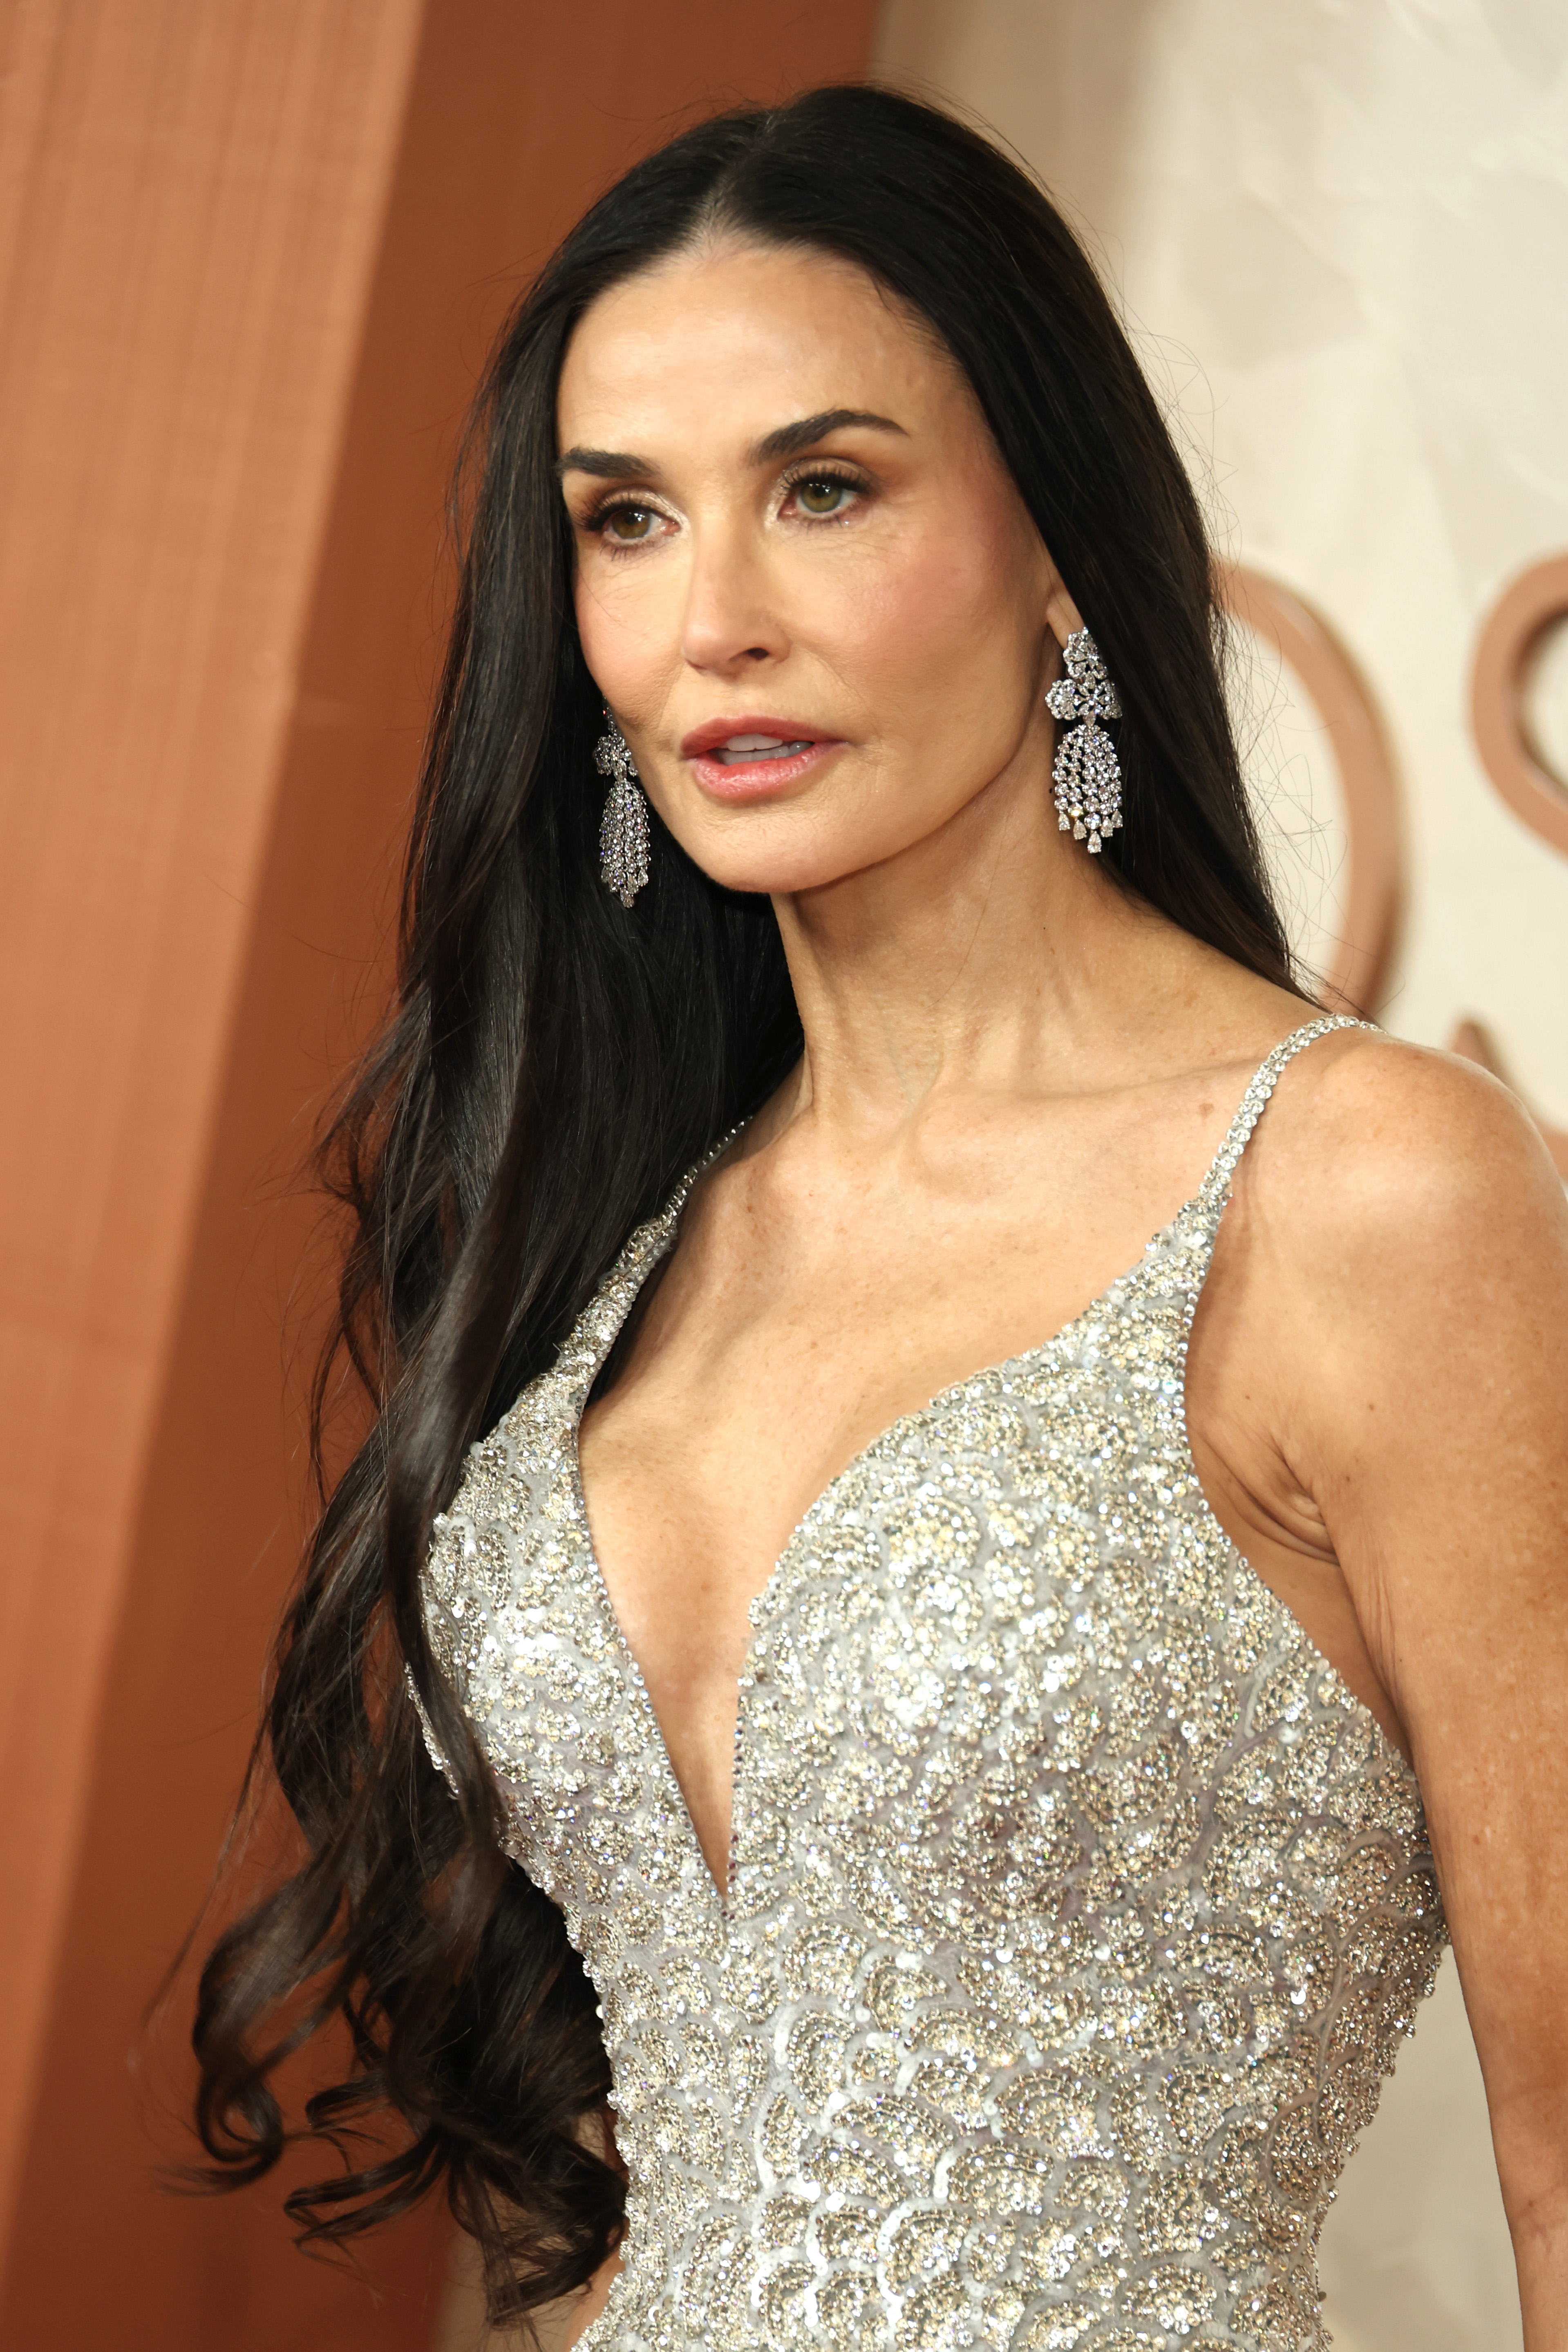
974	1565
762	1363
752	1383
1010	1624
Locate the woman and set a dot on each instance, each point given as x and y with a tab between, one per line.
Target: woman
1000	1894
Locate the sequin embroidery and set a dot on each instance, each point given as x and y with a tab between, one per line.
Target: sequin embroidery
1075	1907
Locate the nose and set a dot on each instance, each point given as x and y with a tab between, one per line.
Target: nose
731	623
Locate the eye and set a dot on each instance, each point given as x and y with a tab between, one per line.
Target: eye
822	494
628	524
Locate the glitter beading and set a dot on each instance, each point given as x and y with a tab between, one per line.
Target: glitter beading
1086	772
1076	1906
623	828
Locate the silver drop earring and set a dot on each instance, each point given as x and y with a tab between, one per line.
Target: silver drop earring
1086	772
623	828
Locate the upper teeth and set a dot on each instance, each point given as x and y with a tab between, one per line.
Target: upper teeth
757	746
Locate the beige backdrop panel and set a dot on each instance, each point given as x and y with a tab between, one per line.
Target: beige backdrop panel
1341	232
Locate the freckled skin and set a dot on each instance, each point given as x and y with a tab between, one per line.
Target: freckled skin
1013	1076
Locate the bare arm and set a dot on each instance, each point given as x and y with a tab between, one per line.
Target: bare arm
1429	1425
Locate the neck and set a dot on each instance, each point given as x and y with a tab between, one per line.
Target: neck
992	956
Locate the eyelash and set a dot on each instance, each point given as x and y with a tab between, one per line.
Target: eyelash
596	522
799	475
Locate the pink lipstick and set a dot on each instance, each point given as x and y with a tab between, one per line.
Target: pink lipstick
754	756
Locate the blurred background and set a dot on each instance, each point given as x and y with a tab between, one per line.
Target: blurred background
251	254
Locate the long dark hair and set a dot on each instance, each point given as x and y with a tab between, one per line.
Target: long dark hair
554	1062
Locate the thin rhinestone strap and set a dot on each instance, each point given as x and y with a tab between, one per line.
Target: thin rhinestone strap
688	1182
1216	1183
588	1343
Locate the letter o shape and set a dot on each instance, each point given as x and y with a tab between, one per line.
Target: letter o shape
1517	621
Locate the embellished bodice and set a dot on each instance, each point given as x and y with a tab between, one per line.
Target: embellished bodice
1075	1910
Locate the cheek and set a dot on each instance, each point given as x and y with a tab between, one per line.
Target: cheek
950	622
602	633
623	632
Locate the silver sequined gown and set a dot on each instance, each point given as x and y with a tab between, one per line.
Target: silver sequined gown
1075	1908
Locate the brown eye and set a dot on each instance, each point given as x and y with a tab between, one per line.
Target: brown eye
822	494
629	524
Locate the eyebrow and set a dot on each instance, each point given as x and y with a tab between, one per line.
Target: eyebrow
786	441
791	439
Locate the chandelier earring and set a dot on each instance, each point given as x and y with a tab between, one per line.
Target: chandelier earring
623	828
1085	774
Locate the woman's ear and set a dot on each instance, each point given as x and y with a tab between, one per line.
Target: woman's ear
1062	616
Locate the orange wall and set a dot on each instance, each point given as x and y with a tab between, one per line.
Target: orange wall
251	252
192	197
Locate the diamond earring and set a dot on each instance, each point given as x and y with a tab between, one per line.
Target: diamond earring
1087	774
623	828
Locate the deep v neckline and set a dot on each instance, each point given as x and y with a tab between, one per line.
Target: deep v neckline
757	1608
1210	1196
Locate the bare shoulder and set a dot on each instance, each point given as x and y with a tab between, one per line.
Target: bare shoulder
1378	1157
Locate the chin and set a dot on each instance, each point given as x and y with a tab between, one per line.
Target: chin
779	859
781	869
772	878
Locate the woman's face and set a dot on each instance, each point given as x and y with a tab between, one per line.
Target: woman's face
807	586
